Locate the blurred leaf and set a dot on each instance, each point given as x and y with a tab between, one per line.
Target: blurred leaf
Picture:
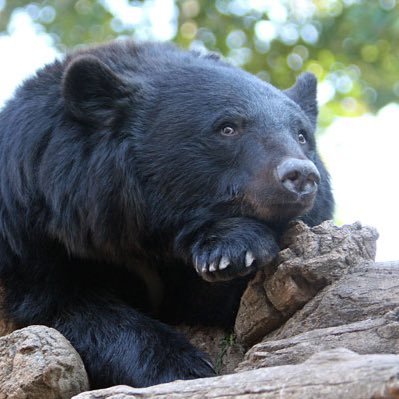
351	45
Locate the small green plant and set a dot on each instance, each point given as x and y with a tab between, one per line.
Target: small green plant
227	342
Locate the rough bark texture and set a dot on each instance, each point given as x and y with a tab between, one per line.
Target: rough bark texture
328	375
370	290
39	363
379	335
256	316
312	259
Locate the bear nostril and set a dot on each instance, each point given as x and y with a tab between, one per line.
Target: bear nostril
298	176
313	177
292	175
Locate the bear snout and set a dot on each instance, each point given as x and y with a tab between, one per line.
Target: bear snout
282	192
298	176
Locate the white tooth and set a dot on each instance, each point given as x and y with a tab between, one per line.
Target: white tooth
224	262
204	269
212	267
249	259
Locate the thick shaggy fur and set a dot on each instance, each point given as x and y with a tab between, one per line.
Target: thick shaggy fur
121	189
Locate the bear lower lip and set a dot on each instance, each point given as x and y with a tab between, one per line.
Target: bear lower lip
280	206
279	211
292	207
286	212
296	207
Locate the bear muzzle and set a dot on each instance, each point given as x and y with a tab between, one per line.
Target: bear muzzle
299	177
284	192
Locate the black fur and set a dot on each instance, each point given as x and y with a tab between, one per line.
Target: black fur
119	190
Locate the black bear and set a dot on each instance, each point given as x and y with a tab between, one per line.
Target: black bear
141	186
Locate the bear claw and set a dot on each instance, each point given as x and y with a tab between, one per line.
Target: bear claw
212	267
224	262
249	259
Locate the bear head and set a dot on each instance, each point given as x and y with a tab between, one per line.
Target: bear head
203	136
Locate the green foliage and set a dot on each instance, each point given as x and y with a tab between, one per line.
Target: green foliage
69	22
225	344
351	45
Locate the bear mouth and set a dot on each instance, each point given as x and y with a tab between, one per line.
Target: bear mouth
287	211
279	209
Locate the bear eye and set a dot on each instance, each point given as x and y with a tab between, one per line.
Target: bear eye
301	137
228	131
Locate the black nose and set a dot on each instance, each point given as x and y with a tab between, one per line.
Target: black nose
298	176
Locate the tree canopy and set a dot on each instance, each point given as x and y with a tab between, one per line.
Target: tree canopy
352	46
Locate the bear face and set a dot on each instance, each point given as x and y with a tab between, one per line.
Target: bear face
132	176
244	124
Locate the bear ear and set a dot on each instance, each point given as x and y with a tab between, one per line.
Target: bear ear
93	93
304	93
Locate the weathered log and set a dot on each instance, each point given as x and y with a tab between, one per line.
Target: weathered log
378	335
369	290
329	375
316	257
312	258
256	316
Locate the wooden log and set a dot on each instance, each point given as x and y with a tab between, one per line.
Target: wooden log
369	290
313	258
328	375
377	335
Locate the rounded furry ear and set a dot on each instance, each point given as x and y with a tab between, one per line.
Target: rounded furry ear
93	93
304	93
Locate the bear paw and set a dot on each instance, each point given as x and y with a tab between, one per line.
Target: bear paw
220	257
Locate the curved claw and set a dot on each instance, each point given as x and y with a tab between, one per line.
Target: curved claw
212	267
224	262
249	259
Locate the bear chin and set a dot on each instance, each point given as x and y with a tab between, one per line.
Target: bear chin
278	212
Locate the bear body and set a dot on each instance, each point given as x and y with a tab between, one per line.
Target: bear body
142	185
